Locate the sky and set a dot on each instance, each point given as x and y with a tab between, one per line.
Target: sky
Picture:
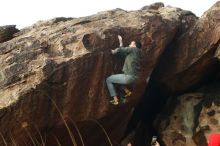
27	12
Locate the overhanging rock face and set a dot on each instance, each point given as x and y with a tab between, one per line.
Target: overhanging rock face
59	67
192	62
194	117
192	58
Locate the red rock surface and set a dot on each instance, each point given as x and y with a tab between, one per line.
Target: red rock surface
192	58
190	63
194	117
59	67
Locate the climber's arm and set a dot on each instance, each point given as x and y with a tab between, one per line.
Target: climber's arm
120	41
122	50
120	45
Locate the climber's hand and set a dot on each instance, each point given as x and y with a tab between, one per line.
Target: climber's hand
113	51
120	41
119	38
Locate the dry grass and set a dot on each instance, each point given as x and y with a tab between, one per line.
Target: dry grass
42	141
65	123
103	129
3	139
12	140
31	137
57	140
77	129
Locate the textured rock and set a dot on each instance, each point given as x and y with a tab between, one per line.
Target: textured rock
154	6
7	32
194	117
56	68
189	119
192	59
177	129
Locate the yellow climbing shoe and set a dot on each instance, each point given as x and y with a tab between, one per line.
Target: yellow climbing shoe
127	92
114	102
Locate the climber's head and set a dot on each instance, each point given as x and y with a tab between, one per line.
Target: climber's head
135	44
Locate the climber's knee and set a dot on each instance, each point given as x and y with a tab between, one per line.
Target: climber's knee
108	79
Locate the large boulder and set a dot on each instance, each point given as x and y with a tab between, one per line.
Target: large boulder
53	73
7	32
192	59
188	64
193	118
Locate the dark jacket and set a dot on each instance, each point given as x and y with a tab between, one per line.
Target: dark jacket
133	57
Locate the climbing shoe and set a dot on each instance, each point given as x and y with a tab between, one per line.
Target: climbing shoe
127	92
114	102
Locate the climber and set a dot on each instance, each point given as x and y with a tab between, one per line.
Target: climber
214	140
130	69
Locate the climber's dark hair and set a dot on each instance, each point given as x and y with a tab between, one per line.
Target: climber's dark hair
138	44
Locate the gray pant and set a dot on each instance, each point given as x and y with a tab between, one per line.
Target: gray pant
118	79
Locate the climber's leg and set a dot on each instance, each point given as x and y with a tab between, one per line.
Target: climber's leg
118	79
